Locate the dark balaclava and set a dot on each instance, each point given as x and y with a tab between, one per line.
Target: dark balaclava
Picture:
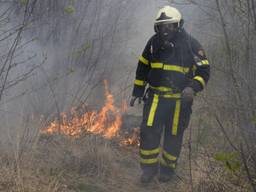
166	33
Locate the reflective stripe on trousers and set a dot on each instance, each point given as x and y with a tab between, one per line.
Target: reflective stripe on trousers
153	110
176	117
154	106
176	113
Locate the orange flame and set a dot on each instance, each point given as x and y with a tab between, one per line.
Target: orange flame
106	122
133	139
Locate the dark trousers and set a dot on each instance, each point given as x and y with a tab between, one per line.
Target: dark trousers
167	116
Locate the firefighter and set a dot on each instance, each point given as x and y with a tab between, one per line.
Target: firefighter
173	67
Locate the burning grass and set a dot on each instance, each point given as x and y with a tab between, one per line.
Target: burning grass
105	122
77	147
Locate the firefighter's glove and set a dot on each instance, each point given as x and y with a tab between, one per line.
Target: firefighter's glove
133	99
188	94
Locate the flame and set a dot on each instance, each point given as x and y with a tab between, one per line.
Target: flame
133	139
106	122
101	125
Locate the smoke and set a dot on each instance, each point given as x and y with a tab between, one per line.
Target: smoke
78	45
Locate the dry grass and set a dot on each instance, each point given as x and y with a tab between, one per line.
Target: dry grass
55	163
62	164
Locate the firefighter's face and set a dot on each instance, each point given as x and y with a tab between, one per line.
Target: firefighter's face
166	33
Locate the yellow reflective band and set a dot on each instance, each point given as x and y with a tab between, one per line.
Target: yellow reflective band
163	89
149	161
170	67
171	165
205	62
143	60
176	68
166	89
150	152
176	118
157	65
169	156
152	111
172	96
139	82
200	79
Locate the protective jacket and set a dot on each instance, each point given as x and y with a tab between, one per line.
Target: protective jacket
183	64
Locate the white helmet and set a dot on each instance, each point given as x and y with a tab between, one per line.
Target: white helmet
169	14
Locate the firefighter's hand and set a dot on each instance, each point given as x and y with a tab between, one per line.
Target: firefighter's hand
133	99
188	94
